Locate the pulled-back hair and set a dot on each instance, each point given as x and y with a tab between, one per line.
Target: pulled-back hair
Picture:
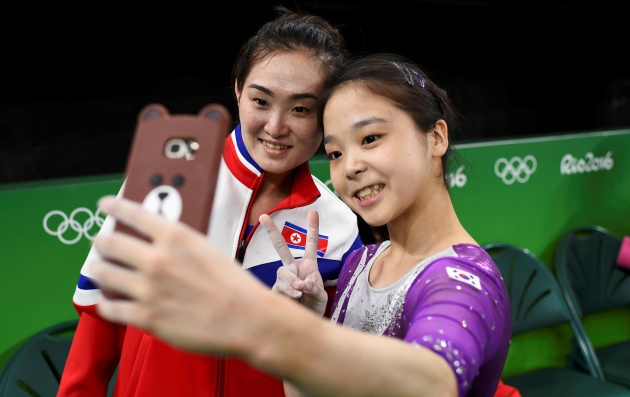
293	30
402	83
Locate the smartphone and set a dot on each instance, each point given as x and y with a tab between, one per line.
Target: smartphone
173	164
174	161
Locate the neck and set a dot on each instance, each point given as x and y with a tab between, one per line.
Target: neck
428	228
277	184
273	189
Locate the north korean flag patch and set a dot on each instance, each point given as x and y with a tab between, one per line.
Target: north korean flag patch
295	237
464	277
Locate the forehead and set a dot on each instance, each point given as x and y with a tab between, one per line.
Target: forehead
354	101
353	107
296	71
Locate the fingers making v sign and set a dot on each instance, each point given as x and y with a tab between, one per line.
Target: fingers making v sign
299	278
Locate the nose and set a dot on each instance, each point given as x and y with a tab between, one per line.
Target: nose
276	126
354	164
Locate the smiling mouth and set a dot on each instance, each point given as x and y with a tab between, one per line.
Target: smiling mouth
369	192
272	145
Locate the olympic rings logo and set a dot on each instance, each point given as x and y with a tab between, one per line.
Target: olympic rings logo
70	229
516	169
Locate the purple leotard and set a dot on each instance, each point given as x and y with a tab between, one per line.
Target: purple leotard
454	303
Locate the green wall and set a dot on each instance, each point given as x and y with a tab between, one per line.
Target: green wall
38	271
527	192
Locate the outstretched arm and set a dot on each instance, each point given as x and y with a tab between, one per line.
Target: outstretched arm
182	288
299	278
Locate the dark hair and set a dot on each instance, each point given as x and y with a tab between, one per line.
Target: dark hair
407	87
290	31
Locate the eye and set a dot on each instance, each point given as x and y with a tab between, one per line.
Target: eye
369	139
156	180
260	102
178	180
333	155
300	109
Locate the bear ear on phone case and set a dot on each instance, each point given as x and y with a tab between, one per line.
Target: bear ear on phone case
174	162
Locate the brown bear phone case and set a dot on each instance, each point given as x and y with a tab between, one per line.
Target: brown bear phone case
174	162
173	165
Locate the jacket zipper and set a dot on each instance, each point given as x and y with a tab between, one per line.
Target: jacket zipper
240	255
242	247
220	374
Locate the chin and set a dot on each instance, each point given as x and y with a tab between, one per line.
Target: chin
368	219
374	220
274	165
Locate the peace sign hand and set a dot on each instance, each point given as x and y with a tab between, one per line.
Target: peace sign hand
299	278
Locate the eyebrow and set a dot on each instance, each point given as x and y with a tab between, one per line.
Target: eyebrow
265	90
358	125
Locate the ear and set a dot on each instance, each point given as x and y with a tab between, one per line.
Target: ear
237	93
440	138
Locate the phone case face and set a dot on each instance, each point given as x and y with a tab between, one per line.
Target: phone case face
174	161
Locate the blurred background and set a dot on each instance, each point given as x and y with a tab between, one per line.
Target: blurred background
75	78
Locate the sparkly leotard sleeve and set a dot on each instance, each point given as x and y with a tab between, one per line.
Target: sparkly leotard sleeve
454	303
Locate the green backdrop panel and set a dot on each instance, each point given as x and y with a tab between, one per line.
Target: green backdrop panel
526	192
47	230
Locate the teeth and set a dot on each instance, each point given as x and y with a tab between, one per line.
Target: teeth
369	191
271	145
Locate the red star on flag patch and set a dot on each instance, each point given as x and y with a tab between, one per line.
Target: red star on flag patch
464	277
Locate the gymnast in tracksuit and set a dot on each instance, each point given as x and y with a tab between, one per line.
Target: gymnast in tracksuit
264	169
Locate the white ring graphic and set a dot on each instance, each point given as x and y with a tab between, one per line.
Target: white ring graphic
516	169
69	222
